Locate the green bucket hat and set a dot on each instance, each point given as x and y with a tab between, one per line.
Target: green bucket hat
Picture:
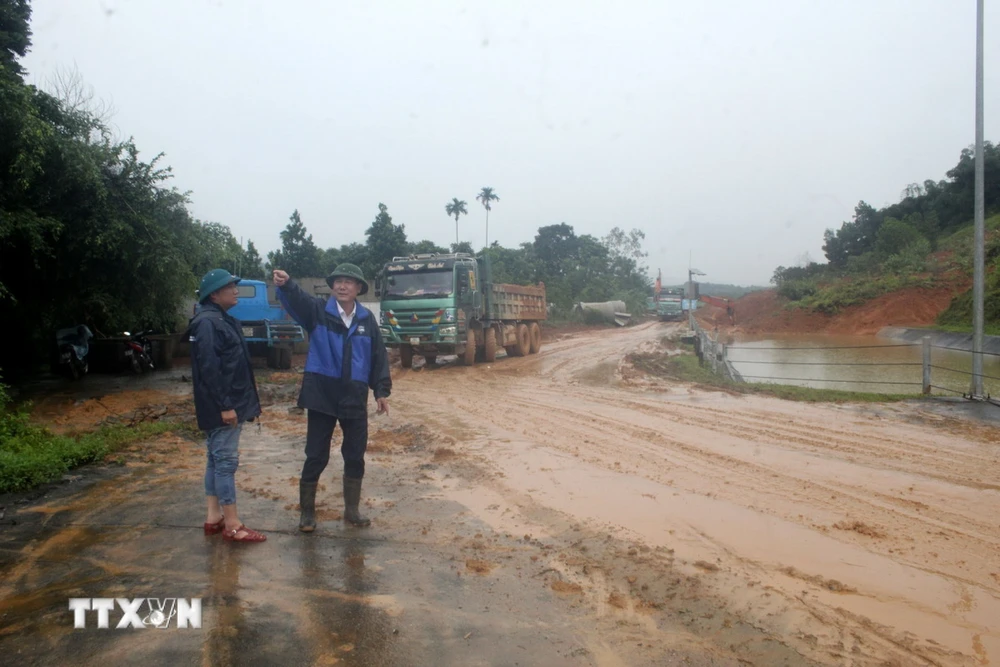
348	271
214	280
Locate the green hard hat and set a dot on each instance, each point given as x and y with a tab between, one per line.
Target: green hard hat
348	271
214	280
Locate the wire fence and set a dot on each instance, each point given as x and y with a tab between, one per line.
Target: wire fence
851	381
834	347
884	373
962	349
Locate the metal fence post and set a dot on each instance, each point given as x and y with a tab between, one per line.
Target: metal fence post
715	356
927	365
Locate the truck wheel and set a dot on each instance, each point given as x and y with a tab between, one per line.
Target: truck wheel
489	345
430	359
406	356
535	331
284	358
469	358
272	357
511	350
523	340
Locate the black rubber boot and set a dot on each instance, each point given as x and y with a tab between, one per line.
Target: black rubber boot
352	498
307	503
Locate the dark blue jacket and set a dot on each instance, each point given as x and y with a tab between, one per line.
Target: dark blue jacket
342	364
220	368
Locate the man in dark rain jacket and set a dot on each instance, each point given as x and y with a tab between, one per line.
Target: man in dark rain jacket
346	359
225	398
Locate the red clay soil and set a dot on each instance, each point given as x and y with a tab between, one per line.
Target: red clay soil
766	312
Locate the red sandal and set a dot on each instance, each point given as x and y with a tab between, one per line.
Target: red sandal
251	535
215	528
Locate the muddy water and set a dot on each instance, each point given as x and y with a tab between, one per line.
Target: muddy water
855	363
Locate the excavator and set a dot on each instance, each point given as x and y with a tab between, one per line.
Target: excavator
721	302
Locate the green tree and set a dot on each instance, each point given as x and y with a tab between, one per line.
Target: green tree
625	245
486	197
628	278
455	207
589	273
251	264
214	247
854	237
554	247
15	35
895	236
425	246
299	256
354	253
385	241
351	253
512	265
464	246
89	232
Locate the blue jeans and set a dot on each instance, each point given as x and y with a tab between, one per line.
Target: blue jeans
223	458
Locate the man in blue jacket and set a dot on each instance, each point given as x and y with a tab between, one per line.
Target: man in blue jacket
225	398
346	359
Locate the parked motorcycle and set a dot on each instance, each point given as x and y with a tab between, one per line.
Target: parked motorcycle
73	346
138	352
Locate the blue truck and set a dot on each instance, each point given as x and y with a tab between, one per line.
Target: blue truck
266	325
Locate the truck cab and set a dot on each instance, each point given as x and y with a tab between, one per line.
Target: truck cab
669	306
448	304
427	300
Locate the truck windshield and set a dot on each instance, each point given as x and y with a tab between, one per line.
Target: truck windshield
426	284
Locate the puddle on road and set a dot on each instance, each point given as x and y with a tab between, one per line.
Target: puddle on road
401	593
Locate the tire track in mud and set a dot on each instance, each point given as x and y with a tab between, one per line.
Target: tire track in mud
731	472
767	424
762	432
757	431
667	448
890	640
660	437
946	519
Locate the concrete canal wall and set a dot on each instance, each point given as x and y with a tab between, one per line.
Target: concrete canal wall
960	341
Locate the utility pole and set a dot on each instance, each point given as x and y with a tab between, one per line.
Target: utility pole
978	285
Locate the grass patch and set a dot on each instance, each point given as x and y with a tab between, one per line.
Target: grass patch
833	297
685	368
961	241
31	454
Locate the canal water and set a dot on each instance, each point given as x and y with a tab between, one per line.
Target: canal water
855	363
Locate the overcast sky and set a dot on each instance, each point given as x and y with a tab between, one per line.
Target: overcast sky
732	130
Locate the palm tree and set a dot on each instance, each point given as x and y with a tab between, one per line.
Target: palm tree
456	207
486	196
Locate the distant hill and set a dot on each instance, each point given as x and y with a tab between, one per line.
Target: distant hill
923	241
723	290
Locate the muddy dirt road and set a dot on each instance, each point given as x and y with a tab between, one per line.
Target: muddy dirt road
557	509
847	535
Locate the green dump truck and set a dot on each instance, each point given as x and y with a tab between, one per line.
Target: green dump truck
438	304
669	305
